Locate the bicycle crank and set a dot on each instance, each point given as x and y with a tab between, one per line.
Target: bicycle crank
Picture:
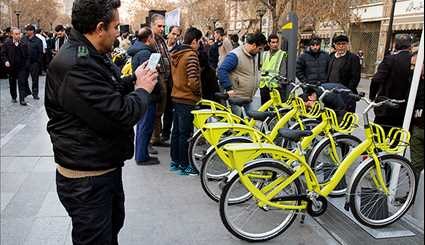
317	206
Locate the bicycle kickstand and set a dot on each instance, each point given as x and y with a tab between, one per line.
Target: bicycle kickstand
302	219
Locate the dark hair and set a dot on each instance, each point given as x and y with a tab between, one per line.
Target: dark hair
59	28
403	41
191	34
144	33
38	31
272	36
315	40
86	14
30	28
219	30
172	27
155	17
234	38
256	38
340	38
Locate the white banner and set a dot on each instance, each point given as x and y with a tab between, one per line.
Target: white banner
172	18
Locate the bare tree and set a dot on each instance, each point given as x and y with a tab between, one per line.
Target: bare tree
39	12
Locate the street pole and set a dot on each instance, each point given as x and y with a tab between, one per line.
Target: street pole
390	28
17	12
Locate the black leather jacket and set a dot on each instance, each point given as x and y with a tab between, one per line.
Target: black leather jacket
91	111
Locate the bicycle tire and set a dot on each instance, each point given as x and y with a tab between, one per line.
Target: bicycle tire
260	165
356	205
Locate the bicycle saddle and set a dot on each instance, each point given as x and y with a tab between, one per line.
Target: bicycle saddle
294	134
260	115
221	96
239	101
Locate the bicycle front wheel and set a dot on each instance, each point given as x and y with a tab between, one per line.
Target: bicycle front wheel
197	150
369	203
247	220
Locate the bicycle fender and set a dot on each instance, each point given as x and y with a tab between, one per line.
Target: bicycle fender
231	139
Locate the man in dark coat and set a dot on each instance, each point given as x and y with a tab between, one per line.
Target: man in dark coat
92	113
14	55
35	58
392	80
312	65
344	66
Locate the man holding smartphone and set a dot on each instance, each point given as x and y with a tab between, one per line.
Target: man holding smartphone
92	113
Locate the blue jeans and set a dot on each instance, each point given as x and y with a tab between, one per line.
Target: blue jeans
144	133
237	110
182	130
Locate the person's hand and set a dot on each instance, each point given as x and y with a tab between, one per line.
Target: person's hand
7	64
231	93
145	77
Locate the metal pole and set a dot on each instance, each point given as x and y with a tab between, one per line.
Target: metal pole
261	31
17	19
390	27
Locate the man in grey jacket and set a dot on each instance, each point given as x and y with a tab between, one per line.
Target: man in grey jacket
239	74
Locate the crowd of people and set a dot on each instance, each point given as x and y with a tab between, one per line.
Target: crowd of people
92	108
28	55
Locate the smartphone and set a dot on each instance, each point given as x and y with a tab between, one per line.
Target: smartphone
153	61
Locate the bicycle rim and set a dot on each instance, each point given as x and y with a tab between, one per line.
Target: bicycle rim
199	150
371	205
247	220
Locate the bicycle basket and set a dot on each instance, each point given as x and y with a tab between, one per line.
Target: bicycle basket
313	112
395	142
348	123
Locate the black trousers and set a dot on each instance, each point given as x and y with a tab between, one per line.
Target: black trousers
167	119
95	205
34	71
17	83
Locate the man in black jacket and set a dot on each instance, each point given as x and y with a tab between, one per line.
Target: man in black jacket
312	65
344	66
35	58
92	113
392	80
14	55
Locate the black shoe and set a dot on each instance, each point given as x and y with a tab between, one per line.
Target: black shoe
14	101
36	97
152	150
150	161
165	139
161	144
23	103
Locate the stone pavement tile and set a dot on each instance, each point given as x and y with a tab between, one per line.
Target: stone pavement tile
18	164
46	164
52	207
30	197
48	231
5	198
14	231
11	182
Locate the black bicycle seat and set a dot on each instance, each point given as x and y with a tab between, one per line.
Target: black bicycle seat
294	134
260	115
221	96
239	101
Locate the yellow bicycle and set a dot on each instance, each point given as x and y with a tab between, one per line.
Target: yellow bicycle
271	192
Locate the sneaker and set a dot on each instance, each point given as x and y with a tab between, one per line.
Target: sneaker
189	170
150	161
14	101
152	150
174	167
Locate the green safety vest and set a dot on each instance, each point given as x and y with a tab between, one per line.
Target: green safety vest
271	65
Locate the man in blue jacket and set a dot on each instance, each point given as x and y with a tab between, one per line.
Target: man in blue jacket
140	52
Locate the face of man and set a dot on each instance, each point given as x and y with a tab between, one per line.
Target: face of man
274	44
60	34
16	35
315	47
341	47
173	36
254	49
108	34
218	37
195	44
30	33
158	26
311	99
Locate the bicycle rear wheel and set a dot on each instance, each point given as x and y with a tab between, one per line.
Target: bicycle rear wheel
247	220
368	202
197	150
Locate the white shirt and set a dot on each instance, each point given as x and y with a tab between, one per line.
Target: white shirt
43	40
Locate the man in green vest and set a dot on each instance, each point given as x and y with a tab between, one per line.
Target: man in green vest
273	63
